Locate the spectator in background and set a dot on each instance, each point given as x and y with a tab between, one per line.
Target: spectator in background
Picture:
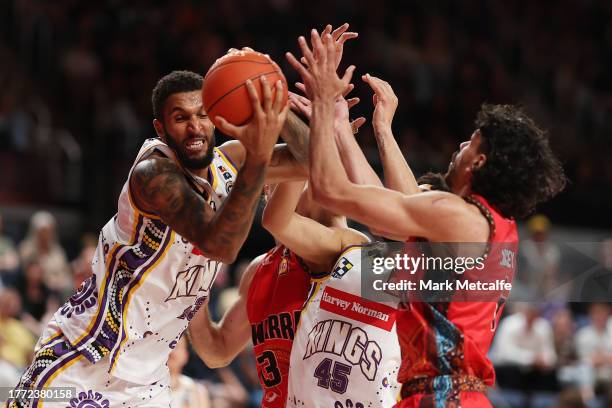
36	297
571	372
9	261
563	331
81	266
594	345
41	245
524	351
186	393
541	259
16	341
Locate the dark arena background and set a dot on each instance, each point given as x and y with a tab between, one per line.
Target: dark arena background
75	91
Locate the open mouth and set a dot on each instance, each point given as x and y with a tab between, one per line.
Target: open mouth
195	145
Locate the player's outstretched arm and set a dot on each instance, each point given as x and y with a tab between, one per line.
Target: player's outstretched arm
437	216
218	344
323	87
398	175
354	161
159	186
314	242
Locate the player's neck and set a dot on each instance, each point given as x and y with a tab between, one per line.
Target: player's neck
460	188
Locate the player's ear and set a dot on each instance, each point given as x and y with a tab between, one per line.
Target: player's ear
479	161
159	129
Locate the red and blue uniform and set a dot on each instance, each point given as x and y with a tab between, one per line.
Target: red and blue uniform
445	344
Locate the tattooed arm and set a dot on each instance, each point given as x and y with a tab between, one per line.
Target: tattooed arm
159	186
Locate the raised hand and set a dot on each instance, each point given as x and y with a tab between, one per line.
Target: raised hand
320	78
341	111
340	36
260	135
384	99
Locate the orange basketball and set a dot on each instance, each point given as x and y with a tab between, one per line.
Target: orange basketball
224	92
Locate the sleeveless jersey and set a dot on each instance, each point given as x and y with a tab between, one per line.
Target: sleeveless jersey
147	282
445	344
346	352
277	293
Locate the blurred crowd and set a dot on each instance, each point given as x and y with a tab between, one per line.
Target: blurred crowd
76	79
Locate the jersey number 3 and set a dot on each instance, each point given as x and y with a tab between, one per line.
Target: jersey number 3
268	369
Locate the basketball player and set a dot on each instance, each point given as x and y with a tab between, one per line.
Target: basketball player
272	291
344	356
500	174
274	286
184	208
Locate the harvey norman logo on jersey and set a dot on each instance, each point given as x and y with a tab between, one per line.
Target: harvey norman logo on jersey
357	308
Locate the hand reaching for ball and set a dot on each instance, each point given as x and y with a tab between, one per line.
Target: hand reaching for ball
303	105
319	75
260	134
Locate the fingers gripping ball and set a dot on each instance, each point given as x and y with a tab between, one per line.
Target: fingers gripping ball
224	92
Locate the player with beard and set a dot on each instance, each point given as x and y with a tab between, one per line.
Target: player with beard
186	206
500	174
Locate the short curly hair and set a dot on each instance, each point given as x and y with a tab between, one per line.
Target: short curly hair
174	82
521	170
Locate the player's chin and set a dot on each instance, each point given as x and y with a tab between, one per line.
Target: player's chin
197	160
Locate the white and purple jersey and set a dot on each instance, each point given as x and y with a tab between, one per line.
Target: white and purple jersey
345	353
148	282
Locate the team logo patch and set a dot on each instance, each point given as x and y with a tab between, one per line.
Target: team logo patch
282	267
342	267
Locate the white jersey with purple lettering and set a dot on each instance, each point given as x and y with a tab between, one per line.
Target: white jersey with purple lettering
345	353
148	282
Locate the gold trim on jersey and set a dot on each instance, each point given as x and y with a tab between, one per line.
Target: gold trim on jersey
41	402
131	292
226	159
51	338
107	271
215	177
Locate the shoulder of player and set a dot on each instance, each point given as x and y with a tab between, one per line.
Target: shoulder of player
151	167
441	202
453	217
155	182
248	274
234	151
350	237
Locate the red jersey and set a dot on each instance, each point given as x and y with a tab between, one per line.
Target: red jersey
277	293
445	344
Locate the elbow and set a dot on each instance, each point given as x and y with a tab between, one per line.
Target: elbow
272	223
217	362
327	194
